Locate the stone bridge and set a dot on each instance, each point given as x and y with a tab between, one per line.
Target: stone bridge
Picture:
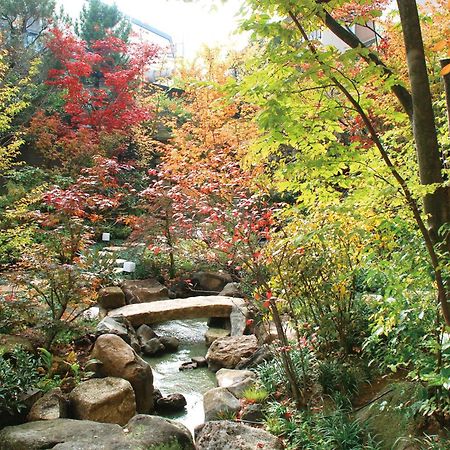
187	308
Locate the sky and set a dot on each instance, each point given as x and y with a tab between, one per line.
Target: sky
190	23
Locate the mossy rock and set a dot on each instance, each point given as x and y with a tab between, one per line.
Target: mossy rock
390	418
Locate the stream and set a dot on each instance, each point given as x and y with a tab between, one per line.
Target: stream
191	383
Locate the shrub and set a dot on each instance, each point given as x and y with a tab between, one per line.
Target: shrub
314	264
303	430
18	373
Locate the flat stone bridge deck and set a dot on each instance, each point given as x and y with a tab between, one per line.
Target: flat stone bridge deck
187	308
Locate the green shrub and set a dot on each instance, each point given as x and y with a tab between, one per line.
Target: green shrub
339	376
272	374
303	430
18	373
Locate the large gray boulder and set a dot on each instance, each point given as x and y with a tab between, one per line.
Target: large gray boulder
219	403
46	434
144	291
227	435
52	405
228	352
107	400
111	297
141	433
120	360
157	431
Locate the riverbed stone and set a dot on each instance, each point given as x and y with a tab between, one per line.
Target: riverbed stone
228	352
212	334
228	435
107	400
145	333
170	343
52	405
152	347
144	291
111	297
230	377
219	402
171	404
200	361
120	360
188	365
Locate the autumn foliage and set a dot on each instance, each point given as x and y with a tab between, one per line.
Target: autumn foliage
97	86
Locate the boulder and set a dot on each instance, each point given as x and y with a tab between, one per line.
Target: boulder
218	403
111	297
200	361
227	435
152	347
120	326
170	343
9	342
46	434
215	333
106	400
153	431
230	377
145	333
52	405
188	365
210	281
120	360
67	434
171	404
144	291
232	290
228	352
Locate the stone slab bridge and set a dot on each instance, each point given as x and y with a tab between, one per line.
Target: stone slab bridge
187	308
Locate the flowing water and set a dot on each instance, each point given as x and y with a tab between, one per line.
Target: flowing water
191	383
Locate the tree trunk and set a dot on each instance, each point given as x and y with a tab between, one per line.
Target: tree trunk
436	204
